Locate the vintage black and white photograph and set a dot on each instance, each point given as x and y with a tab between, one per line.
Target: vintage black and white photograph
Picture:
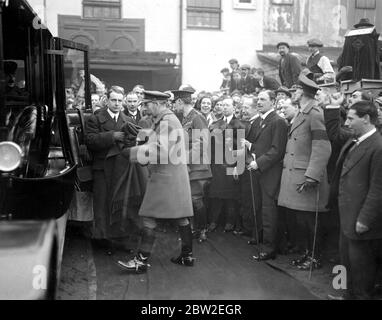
212	152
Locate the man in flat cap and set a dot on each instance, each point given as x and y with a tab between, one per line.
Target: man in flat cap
226	84
282	94
168	193
304	184
289	66
196	127
234	64
319	64
263	82
248	85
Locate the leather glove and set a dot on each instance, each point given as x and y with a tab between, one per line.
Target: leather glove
129	143
309	184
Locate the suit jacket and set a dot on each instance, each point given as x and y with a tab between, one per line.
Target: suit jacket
290	70
270	138
360	189
223	185
248	85
198	160
133	119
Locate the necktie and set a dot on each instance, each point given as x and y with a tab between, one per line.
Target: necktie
115	118
353	145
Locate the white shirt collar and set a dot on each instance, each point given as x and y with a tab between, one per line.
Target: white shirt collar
265	115
228	119
112	115
365	136
314	54
134	113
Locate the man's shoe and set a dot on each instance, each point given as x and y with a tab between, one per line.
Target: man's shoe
310	263
187	261
301	260
195	234
228	228
202	236
137	265
252	242
212	227
264	256
238	232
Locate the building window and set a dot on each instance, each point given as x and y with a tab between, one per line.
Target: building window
205	14
283	2
102	9
366	4
244	4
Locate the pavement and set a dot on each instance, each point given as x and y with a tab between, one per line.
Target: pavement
224	270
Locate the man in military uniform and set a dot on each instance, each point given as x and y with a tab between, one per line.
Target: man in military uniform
319	64
168	192
196	127
304	184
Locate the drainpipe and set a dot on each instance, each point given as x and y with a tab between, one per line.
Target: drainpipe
45	15
181	40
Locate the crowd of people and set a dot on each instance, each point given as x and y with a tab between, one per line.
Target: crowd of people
308	152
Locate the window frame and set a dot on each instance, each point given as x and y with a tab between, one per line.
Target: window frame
359	6
195	9
252	5
102	4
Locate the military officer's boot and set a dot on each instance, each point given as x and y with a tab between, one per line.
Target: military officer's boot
185	257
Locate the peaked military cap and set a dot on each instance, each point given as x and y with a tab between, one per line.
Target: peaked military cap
183	92
155	96
308	85
284	90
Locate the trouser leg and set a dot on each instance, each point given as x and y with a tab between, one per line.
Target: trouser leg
185	236
270	222
200	214
363	268
314	232
216	208
232	212
148	236
344	258
100	207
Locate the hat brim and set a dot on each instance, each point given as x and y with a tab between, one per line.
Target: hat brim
364	25
286	92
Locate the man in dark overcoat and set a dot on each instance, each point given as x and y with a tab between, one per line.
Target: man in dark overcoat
289	66
356	192
196	128
224	189
106	140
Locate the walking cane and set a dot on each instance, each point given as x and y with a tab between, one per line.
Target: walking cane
315	231
254	213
